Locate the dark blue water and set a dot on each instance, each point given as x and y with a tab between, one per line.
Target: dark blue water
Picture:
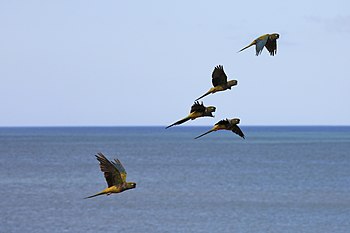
280	179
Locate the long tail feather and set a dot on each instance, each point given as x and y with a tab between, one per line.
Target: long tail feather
212	130
209	92
179	122
253	43
97	194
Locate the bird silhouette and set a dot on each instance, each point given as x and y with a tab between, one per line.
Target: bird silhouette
227	124
219	81
267	40
115	176
197	110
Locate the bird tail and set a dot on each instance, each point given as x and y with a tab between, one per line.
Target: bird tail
179	122
208	92
97	194
212	130
253	43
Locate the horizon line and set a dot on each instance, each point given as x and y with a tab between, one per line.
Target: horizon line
183	126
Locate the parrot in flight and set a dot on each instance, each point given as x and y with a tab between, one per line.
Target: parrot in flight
219	81
227	124
197	110
268	40
115	176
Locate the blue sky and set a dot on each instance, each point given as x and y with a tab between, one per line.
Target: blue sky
67	63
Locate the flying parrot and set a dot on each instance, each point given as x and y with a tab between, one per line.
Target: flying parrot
115	176
219	81
267	40
227	124
197	110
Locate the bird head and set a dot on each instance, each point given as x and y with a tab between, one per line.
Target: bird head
235	121
210	109
274	36
231	83
130	185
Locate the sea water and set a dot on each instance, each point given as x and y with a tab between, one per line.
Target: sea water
279	179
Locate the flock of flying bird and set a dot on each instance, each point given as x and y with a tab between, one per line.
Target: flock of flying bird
115	173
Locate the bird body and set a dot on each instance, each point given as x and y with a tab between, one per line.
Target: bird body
197	110
113	189
226	124
219	81
269	41
115	176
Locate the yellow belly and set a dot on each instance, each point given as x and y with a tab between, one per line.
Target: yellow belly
220	88
113	189
194	115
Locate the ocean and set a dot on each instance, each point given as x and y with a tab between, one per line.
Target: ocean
279	179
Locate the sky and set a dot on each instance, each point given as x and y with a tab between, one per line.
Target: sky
133	63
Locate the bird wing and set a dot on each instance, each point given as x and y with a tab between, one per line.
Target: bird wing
218	76
112	174
120	168
238	131
197	107
260	43
271	46
225	123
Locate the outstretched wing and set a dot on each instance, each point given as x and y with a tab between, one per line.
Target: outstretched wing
197	107
260	43
271	46
218	76
120	168
238	131
225	123
112	174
